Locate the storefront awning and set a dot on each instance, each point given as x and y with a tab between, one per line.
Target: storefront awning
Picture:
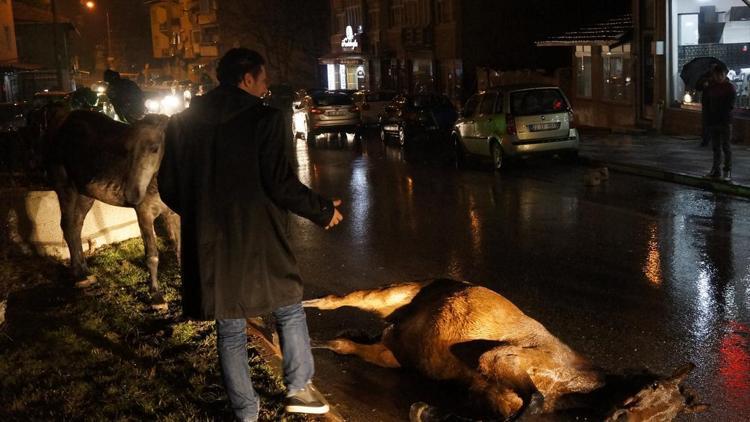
613	32
14	66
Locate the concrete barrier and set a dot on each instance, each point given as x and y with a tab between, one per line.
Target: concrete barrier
31	224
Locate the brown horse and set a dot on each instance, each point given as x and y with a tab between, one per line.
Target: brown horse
90	156
457	331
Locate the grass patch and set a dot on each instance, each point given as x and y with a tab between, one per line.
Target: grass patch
103	354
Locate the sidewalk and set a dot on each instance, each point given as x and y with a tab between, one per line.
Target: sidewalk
678	159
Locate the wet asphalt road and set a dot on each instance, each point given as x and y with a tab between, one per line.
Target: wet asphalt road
634	273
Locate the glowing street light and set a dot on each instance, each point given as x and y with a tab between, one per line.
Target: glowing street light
91	5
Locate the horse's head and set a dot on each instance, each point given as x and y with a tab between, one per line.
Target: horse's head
145	149
662	399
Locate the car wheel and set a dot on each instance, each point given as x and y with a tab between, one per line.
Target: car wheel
498	159
401	136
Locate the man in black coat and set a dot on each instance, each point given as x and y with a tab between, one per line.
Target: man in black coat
718	102
225	173
126	97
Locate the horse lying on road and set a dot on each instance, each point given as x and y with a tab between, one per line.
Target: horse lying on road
91	156
457	331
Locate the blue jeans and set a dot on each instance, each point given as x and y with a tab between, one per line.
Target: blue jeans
291	325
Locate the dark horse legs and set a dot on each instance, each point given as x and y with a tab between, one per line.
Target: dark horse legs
73	210
147	212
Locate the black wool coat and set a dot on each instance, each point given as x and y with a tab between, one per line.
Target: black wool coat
225	173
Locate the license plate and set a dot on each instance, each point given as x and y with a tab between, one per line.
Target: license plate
537	127
334	113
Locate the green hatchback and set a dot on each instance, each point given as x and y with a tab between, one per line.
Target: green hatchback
513	121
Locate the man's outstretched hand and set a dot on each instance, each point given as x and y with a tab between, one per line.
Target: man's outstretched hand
337	217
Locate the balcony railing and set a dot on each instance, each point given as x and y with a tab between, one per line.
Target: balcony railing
209	50
417	38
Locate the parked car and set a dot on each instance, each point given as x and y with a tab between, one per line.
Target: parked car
407	117
11	117
325	112
515	120
372	105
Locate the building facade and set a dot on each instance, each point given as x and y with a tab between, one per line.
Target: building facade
185	37
188	36
8	50
627	69
454	47
402	45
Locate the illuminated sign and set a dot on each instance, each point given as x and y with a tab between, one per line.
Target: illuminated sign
349	42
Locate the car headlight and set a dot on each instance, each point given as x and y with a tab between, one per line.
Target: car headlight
152	106
170	104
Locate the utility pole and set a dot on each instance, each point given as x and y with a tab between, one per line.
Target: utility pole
110	59
58	64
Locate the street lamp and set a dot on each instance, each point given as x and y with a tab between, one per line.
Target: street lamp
91	6
58	64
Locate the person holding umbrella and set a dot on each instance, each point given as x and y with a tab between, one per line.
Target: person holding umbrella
718	102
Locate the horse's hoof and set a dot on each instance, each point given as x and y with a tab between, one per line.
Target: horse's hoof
159	306
86	282
158	303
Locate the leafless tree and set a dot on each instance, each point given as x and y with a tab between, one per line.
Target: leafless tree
290	33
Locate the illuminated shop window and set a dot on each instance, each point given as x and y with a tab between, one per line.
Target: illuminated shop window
713	28
331	70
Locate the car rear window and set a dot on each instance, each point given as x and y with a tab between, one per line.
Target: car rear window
537	101
323	100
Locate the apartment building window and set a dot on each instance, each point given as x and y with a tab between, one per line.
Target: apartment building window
353	14
410	12
340	22
616	63
395	16
583	71
443	11
209	35
207	6
374	22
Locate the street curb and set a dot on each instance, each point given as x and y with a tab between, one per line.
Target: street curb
670	176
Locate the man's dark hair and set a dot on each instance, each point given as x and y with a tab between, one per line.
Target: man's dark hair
111	76
236	63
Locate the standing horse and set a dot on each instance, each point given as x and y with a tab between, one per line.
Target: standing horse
91	156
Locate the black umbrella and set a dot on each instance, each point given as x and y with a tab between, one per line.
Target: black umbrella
697	70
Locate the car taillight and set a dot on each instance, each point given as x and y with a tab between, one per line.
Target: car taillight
571	119
510	124
316	111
